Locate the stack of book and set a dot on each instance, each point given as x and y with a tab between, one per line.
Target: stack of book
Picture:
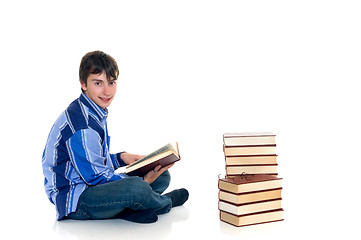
252	153
250	199
251	191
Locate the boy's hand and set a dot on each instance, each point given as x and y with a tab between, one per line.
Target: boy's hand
154	174
129	158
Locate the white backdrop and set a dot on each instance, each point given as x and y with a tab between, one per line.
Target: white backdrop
190	71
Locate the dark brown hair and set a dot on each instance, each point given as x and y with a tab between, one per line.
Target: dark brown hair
97	62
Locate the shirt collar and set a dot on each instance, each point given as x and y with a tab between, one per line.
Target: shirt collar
101	113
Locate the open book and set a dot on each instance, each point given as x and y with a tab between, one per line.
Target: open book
163	156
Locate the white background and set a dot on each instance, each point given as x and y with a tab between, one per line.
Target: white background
190	71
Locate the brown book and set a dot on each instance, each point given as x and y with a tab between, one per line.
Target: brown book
253	218
249	150
237	175
249	183
252	169
163	156
250	160
250	196
247	208
244	139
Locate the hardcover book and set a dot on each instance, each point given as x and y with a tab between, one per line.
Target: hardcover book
163	156
252	169
249	150
249	183
253	218
251	160
249	197
247	208
242	139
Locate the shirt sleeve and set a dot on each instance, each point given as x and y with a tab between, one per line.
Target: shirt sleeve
117	161
86	154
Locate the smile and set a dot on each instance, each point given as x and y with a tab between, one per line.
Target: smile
105	99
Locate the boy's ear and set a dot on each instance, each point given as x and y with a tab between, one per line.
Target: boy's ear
83	86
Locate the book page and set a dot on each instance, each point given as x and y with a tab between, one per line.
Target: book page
156	152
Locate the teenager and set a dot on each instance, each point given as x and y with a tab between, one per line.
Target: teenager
78	168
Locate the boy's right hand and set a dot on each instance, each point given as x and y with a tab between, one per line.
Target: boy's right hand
129	158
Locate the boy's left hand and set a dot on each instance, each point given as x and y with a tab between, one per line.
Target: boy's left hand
129	158
152	175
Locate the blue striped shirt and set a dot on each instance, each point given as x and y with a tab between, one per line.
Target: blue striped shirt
77	155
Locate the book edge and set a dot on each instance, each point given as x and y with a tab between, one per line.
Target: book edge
230	180
249	134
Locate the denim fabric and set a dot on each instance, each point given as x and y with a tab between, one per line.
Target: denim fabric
131	194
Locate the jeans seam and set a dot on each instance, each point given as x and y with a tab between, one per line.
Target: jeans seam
129	204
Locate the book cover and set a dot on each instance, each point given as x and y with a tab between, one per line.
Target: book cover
253	218
250	196
249	150
249	183
163	156
248	134
247	208
242	139
250	160
252	169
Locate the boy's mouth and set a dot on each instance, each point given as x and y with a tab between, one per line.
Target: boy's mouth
105	100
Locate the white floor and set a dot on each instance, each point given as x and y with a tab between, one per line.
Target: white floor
198	218
316	205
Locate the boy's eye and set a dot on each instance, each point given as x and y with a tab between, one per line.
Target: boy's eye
98	83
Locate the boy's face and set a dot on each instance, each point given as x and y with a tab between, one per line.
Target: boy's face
99	89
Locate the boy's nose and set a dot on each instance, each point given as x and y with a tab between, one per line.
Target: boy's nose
106	90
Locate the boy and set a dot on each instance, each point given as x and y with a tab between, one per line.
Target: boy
78	168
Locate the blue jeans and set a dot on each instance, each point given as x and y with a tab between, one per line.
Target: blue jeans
125	196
